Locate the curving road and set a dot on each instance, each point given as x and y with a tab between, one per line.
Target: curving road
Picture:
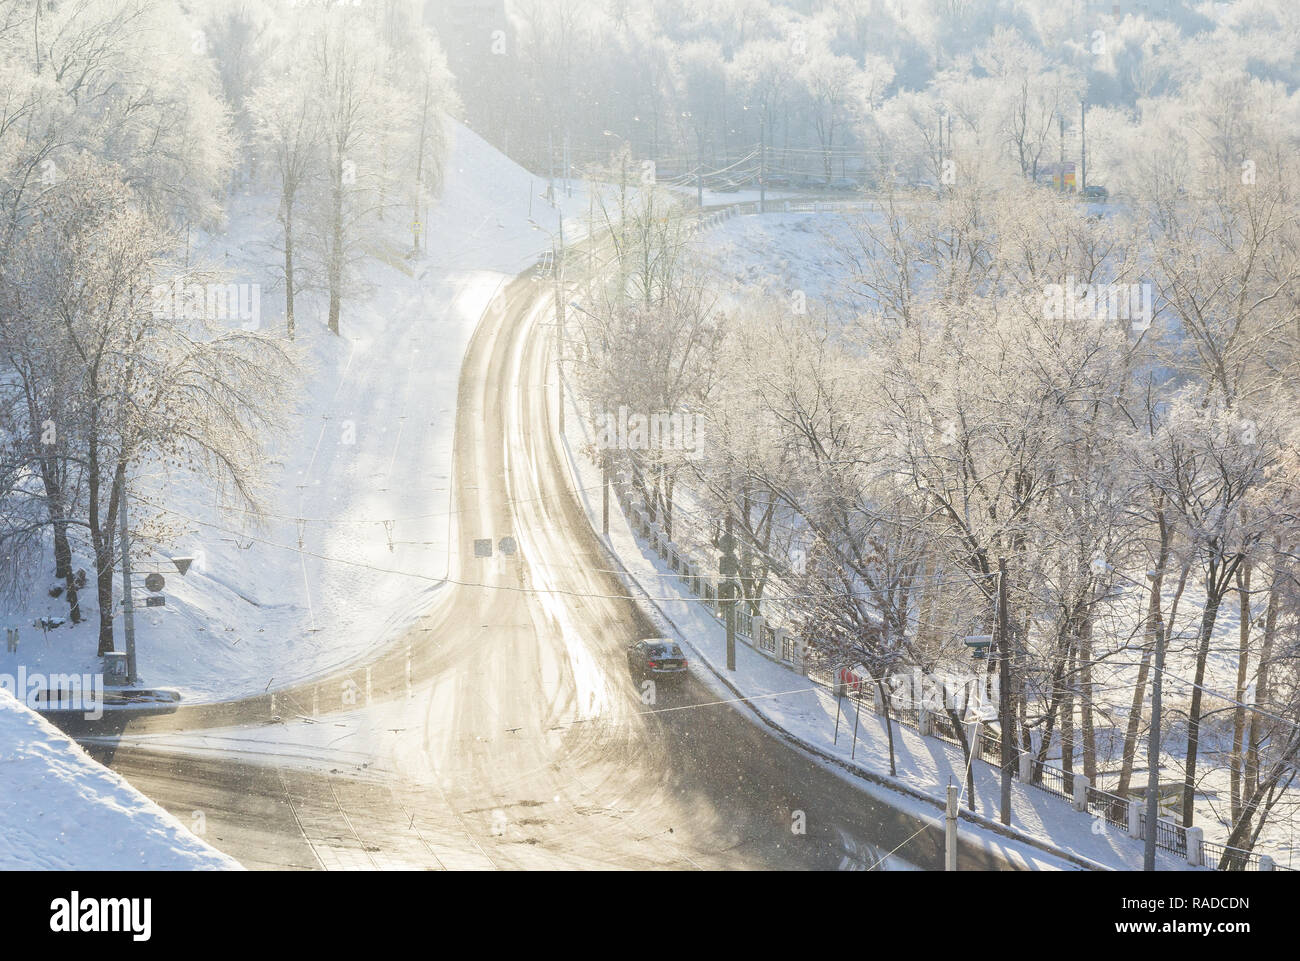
519	741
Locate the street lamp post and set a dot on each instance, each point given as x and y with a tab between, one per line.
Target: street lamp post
557	265
128	607
728	567
1004	694
605	470
1153	749
559	322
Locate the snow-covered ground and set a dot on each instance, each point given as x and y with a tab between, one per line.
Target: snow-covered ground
778	253
355	542
61	810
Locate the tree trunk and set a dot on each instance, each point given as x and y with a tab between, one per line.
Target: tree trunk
1241	835
63	569
288	265
1214	597
1239	712
103	552
966	751
1085	698
1059	664
55	495
889	724
104	590
416	226
101	538
1144	669
336	251
1067	722
1261	682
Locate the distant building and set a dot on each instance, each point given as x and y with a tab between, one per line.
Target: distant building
1052	173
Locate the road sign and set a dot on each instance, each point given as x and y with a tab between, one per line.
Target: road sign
507	546
483	547
155	600
155	582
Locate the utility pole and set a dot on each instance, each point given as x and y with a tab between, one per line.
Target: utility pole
950	831
1062	168
699	171
944	149
568	167
128	607
1153	750
604	503
1004	693
728	568
550	167
1083	144
620	248
559	323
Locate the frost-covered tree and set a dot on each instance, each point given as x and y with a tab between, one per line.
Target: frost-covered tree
144	383
286	121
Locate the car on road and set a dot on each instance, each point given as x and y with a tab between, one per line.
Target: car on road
656	657
1094	193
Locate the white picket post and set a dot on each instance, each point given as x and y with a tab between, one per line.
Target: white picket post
1135	819
1081	785
1196	846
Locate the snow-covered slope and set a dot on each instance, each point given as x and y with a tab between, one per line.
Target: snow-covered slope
357	538
60	810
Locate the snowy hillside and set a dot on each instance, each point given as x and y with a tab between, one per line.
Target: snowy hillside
355	542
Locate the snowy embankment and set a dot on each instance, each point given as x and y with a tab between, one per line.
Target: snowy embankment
61	810
355	541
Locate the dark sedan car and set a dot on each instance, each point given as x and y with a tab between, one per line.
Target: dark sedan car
657	658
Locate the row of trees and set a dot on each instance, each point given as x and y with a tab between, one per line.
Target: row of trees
1102	405
126	128
846	88
346	111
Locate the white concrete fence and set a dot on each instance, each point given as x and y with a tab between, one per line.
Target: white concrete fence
769	639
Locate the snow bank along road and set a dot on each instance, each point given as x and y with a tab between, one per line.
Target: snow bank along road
503	730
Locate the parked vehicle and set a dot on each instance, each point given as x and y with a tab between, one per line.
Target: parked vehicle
1094	193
